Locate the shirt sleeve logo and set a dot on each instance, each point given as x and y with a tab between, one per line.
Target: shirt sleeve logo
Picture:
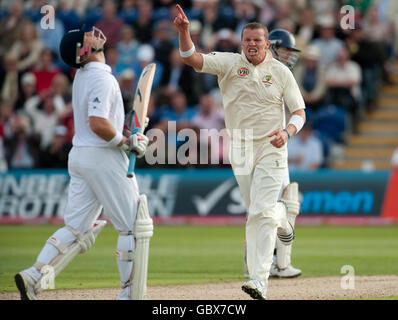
243	72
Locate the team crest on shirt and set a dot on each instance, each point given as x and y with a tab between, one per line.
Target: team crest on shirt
243	72
266	80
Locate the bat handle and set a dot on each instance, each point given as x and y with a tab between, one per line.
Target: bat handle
132	158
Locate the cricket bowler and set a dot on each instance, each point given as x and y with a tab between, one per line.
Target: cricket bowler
254	88
97	167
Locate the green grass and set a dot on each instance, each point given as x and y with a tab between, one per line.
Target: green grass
202	254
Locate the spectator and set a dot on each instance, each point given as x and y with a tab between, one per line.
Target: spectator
328	44
46	71
110	24
307	27
210	122
268	13
128	46
224	40
360	6
7	116
28	90
27	47
211	20
68	12
126	82
3	160
394	158
10	26
9	88
380	34
311	78
324	7
128	12
245	12
144	24
162	42
22	148
343	79
305	151
209	116
366	55
44	111
61	88
112	59
180	76
179	112
56	154
146	55
195	28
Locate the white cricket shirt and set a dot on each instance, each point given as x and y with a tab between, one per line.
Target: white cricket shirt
253	96
95	92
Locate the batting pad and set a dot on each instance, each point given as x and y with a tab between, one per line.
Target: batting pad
81	245
143	232
290	198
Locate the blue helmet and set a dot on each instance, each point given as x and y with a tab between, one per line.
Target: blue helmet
283	38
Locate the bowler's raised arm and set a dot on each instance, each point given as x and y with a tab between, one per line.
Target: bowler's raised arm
187	49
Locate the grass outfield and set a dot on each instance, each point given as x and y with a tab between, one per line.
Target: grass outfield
202	254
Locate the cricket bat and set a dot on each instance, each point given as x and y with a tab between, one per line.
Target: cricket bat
135	119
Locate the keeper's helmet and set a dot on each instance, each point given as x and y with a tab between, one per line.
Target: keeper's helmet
280	38
73	49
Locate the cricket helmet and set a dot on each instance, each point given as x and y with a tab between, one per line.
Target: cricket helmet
283	38
72	48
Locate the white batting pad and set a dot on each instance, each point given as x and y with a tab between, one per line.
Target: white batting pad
143	232
290	198
81	245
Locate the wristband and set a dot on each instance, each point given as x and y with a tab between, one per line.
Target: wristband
297	121
188	53
115	140
288	135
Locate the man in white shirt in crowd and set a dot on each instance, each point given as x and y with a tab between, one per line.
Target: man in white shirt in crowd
305	151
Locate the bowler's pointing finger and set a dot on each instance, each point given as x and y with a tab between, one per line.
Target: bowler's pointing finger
180	10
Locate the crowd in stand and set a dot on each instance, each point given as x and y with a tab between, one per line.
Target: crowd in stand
339	73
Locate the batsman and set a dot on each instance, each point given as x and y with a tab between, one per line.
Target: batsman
97	166
254	88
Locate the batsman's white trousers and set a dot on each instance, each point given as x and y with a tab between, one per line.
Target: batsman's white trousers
98	180
265	171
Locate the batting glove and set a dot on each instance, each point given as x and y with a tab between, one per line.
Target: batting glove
146	123
138	144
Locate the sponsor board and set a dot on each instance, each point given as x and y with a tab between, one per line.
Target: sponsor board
33	194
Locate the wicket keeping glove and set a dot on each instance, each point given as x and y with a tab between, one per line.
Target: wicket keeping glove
138	144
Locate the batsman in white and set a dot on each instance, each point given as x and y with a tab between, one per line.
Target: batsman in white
283	47
97	167
253	86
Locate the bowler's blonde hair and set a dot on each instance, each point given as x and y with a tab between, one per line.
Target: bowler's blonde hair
254	26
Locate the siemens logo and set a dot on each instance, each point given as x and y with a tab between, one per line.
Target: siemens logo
359	202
